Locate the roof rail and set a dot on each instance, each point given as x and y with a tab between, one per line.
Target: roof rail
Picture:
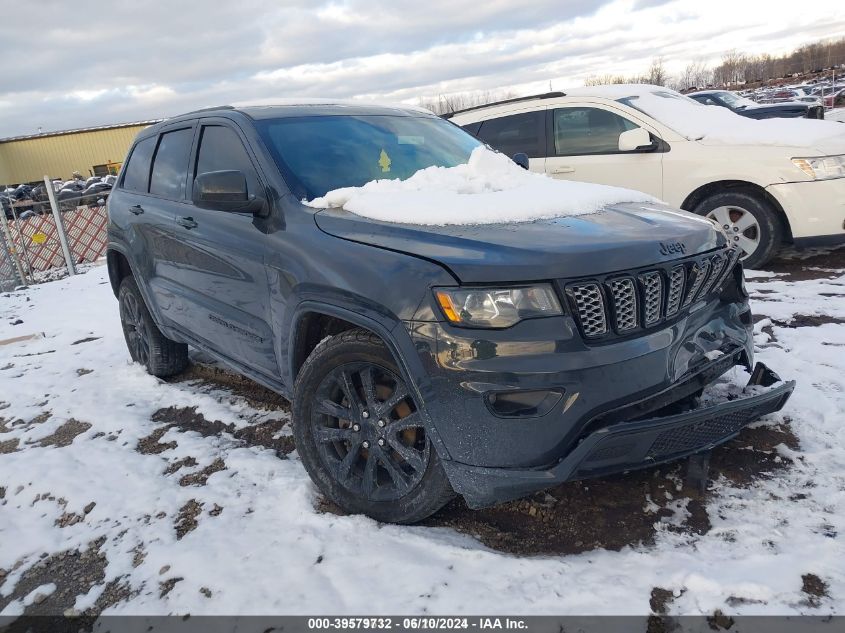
209	109
545	95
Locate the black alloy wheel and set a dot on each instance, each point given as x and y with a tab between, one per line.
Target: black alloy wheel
135	328
368	432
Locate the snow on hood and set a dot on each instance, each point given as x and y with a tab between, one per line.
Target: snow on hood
489	189
719	125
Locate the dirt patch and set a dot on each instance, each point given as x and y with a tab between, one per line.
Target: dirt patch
738	601
805	265
65	434
617	511
84	372
187	419
265	434
258	396
201	478
187	518
660	600
86	340
754	454
72	518
187	462
166	587
9	446
6	424
809	320
815	588
151	445
73	572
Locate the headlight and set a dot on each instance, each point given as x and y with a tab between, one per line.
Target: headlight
496	307
822	167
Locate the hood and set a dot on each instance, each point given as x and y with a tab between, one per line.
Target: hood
620	237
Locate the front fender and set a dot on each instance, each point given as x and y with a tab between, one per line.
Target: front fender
391	330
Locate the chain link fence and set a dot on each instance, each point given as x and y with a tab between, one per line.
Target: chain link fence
9	276
32	249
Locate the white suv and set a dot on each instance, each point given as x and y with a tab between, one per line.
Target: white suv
765	182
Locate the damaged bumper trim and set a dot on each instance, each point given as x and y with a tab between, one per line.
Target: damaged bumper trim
628	445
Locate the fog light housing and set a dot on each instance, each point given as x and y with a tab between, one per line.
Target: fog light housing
522	404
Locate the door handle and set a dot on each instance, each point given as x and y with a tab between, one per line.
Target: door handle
136	209
188	222
562	170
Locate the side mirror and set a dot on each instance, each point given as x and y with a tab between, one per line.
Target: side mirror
521	159
636	140
224	191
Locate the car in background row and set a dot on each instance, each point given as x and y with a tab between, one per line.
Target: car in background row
747	108
764	191
836	99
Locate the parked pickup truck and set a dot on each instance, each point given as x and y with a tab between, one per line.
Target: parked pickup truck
487	360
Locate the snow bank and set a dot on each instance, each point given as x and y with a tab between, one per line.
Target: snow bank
489	189
713	123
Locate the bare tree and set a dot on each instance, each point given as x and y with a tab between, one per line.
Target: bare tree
696	74
606	79
656	75
445	104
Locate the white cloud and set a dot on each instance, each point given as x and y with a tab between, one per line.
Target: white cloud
169	58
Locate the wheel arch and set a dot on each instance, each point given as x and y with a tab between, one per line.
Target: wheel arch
118	267
308	327
705	191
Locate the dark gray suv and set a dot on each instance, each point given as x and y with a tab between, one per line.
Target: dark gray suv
423	361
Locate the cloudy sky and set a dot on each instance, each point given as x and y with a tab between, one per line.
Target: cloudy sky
65	65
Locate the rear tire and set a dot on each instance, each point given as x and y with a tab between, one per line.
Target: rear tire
751	222
147	345
360	433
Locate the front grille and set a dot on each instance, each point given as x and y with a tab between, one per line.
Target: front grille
677	282
697	275
653	296
624	303
620	304
591	311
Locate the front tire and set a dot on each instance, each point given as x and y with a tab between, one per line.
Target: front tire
147	345
361	435
750	221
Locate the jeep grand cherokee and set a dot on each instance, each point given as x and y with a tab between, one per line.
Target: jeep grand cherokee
423	361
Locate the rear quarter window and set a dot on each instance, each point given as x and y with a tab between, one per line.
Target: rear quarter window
137	175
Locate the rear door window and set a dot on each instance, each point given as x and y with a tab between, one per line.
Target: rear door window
221	149
137	176
517	133
579	131
170	165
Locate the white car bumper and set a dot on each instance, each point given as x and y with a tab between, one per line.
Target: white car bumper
815	209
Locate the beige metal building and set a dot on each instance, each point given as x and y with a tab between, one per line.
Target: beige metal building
94	151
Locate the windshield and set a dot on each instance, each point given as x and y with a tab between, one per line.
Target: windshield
317	154
734	100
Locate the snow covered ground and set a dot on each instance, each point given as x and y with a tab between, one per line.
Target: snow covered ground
837	114
125	494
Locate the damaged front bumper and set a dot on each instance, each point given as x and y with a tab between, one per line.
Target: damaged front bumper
628	445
